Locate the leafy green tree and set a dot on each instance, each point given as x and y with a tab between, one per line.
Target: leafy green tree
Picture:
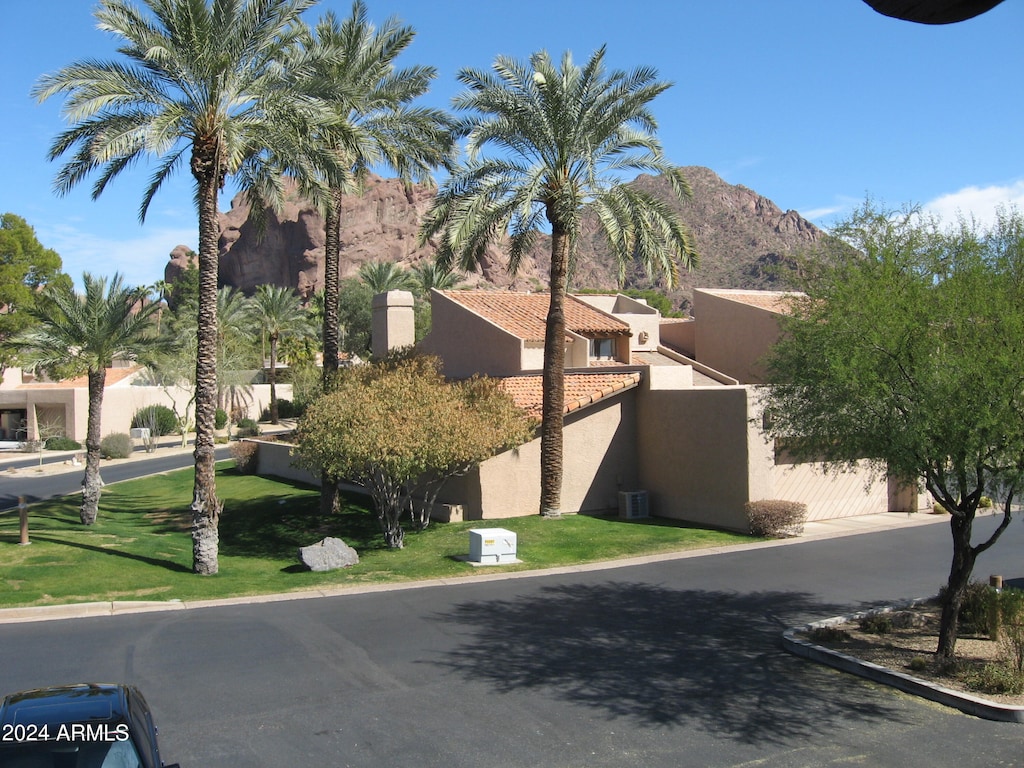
398	428
86	333
355	314
210	83
183	291
562	136
278	311
25	267
910	355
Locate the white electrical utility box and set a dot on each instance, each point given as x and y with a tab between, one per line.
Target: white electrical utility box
139	433
492	545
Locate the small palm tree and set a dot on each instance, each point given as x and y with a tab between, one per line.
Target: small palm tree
85	333
210	84
278	310
383	276
563	135
430	276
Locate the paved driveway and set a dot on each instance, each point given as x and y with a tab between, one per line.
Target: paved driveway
675	663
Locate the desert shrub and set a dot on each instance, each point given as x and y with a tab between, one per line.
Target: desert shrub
159	419
286	409
30	446
116	445
938	508
985	502
995	678
918	664
976	610
62	444
776	518
220	419
246	456
1008	617
876	624
247	428
828	634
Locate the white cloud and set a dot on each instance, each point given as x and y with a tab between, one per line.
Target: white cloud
981	203
820	213
140	260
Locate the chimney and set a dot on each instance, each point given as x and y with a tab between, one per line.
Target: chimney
394	323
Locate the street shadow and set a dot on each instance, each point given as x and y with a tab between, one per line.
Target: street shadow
662	657
169	565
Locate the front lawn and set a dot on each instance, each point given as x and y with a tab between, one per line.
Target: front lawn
140	547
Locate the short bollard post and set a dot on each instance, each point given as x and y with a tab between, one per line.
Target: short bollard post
996	582
23	518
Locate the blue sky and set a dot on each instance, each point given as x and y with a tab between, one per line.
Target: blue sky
814	104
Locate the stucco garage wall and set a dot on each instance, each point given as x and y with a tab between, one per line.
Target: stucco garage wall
693	454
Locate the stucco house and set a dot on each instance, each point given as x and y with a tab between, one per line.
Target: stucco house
30	407
664	406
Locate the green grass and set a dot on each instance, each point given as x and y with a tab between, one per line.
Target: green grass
140	547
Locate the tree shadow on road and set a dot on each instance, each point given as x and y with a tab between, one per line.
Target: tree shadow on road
662	657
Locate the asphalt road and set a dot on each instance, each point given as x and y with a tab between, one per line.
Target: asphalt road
45	486
670	664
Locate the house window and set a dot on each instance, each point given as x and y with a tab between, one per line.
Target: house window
602	348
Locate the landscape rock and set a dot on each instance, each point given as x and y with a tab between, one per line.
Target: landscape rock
328	554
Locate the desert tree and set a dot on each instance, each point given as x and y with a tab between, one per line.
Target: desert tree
909	355
545	142
397	427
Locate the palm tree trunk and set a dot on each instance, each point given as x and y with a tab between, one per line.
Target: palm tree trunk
332	287
553	381
206	507
274	413
91	482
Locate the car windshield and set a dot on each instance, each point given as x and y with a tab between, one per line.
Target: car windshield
53	754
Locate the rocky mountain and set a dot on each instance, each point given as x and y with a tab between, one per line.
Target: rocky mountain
744	241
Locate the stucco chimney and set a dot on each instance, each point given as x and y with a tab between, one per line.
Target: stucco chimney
394	323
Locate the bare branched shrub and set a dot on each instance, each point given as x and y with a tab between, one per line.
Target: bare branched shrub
246	455
776	518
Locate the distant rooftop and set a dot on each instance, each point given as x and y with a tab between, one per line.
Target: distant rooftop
524	314
773	301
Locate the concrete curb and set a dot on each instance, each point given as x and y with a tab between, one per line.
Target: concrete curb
965	702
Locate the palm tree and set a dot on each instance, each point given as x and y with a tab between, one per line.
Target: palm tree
430	276
383	276
563	134
374	125
86	333
278	310
210	84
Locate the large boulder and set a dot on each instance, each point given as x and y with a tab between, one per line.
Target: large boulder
328	554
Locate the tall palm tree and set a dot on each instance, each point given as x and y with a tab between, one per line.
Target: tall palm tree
211	84
374	125
86	333
563	134
278	310
383	276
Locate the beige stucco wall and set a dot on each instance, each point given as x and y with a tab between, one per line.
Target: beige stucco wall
733	337
643	320
275	460
694	454
679	334
600	461
469	344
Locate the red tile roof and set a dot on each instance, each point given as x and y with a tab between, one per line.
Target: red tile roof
525	314
114	375
581	389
